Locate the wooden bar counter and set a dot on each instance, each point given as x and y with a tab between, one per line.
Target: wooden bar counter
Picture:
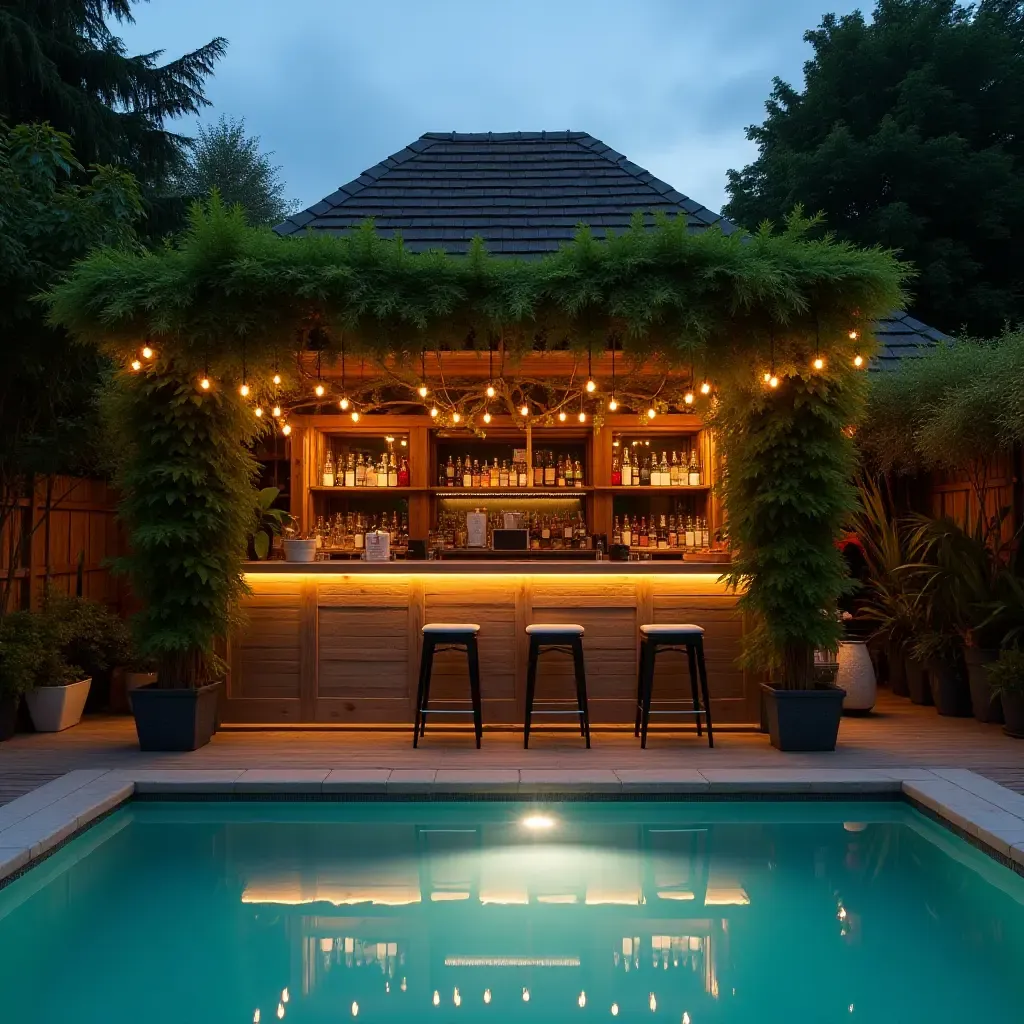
339	642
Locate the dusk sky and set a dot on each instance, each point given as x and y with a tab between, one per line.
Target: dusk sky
333	86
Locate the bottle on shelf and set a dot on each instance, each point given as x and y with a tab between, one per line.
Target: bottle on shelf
538	469
690	535
474	476
705	534
392	471
627	469
350	470
549	470
655	471
664	472
449	473
644	539
327	477
674	471
403	473
627	532
577	474
522	474
673	534
616	531
467	474
693	473
616	471
645	472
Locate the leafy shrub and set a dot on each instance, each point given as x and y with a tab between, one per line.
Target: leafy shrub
1006	675
31	654
91	636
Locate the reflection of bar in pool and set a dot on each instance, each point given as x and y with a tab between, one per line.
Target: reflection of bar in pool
511	961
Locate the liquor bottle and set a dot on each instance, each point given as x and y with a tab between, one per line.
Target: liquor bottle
577	474
360	471
570	473
616	471
693	475
534	532
582	537
403	534
545	532
350	470
655	471
328	474
666	476
627	469
495	473
560	472
359	533
652	535
523	470
485	476
673	536
467	474
449	473
705	534
549	470
392	471
616	531
673	472
627	532
403	473
370	473
644	540
567	532
503	474
691	541
538	469
645	472
474	478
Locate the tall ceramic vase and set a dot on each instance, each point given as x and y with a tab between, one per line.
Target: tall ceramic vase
856	676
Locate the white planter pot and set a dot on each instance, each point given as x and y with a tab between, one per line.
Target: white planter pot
300	550
55	708
856	676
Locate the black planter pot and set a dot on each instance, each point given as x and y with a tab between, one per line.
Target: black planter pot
8	716
897	673
175	719
948	680
1013	710
803	719
918	689
985	704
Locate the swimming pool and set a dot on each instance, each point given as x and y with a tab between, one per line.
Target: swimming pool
507	911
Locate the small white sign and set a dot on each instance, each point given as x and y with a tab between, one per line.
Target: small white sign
476	529
378	547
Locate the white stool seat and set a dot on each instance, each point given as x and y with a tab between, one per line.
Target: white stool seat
663	629
560	628
451	627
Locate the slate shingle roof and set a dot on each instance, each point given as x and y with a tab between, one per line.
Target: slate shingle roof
524	193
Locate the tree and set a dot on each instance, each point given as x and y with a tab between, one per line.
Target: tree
48	415
60	63
223	157
909	132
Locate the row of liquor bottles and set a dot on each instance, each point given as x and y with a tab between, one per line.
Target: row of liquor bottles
642	470
359	470
548	470
348	532
558	530
670	532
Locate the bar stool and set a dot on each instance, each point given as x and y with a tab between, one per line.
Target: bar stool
654	640
448	636
566	638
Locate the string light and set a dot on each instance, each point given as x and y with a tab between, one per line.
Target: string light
490	391
355	416
583	416
591	386
858	361
286	429
819	363
651	413
854	335
147	352
205	383
344	404
773	381
319	391
277	378
705	388
525	410
423	390
487	417
136	365
767	376
688	398
456	417
561	415
276	412
434	412
613	405
257	412
244	390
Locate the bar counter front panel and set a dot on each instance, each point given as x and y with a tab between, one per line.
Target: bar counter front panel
339	643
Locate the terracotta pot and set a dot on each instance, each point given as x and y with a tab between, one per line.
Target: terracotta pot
917	681
985	704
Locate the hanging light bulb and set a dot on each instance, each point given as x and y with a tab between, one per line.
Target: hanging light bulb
258	412
524	411
688	398
276	412
434	412
651	413
582	1001
705	388
490	391
319	391
204	383
277	378
773	381
854	335
561	415
767	376
591	385
136	365
819	363
355	416
858	361
613	405
456	417
423	390
244	390
582	416
286	429
487	417
147	352
343	404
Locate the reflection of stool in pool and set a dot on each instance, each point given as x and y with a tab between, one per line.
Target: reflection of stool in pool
448	860
675	864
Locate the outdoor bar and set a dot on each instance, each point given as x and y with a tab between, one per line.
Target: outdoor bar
604	520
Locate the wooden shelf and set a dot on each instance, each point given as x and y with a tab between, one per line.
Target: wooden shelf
630	489
368	490
510	492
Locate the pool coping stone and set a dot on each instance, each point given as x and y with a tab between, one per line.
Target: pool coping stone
985	813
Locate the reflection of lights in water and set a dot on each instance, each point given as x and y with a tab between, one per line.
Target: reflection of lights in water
855	826
457	998
851	1007
841	914
326	945
582	1000
256	1017
538	821
686	1017
526	995
487	995
652	1003
615	1009
387	988
355	1009
280	1011
284	995
403	986
437	998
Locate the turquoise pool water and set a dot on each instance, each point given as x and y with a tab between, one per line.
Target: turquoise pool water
498	912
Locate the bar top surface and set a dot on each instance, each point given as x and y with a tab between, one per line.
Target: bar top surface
485	567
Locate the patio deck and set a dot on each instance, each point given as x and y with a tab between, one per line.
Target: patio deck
897	735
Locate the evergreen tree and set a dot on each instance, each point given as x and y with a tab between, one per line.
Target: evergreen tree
909	132
60	63
223	157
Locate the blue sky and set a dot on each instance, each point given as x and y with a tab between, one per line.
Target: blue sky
334	86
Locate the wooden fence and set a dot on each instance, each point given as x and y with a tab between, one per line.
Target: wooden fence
74	534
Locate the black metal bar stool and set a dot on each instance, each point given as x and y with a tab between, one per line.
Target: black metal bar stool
448	636
566	638
655	640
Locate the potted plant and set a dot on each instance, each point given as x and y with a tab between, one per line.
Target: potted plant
941	653
1006	677
270	521
25	644
186	474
